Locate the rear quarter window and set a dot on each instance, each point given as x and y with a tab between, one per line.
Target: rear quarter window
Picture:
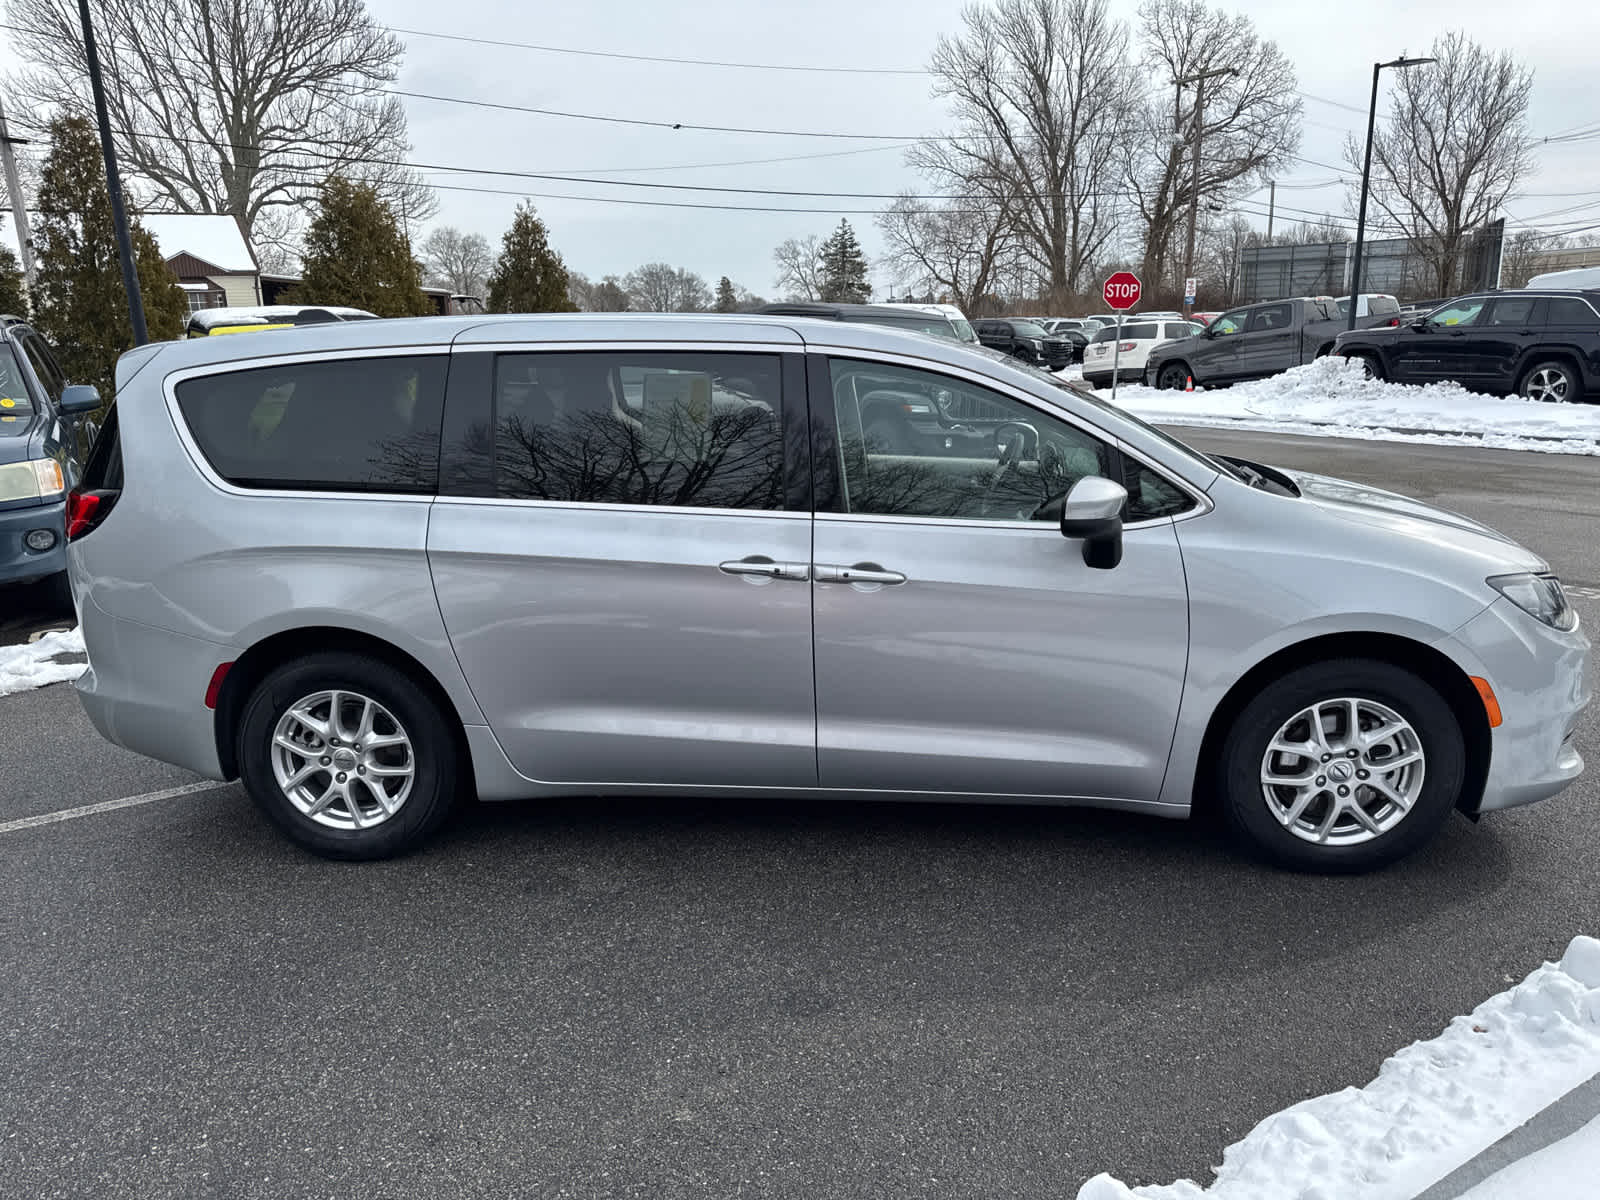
1565	310
353	424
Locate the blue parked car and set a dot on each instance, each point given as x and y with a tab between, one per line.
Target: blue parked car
44	430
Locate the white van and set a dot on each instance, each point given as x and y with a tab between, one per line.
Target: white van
1577	277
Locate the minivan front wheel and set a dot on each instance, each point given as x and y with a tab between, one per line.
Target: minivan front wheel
1342	766
347	756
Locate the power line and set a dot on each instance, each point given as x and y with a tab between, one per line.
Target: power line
656	58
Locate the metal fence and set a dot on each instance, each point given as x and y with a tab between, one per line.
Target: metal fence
1394	266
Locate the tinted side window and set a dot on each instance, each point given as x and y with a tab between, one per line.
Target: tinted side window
1274	316
1513	312
354	424
44	365
1144	331
1564	310
675	429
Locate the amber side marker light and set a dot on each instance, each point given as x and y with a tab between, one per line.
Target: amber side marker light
1491	706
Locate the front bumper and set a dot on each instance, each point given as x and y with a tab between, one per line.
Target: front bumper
1540	678
18	563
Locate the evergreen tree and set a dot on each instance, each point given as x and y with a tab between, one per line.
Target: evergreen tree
528	277
79	302
13	296
727	298
844	268
355	255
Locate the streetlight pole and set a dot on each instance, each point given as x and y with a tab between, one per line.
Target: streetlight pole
1366	177
1199	80
119	214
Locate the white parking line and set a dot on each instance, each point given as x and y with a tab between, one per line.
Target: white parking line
89	810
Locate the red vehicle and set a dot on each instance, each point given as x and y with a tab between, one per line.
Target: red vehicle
1204	318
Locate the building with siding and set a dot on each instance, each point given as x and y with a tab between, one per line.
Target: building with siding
210	256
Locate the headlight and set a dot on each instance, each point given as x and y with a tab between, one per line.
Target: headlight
32	480
1540	596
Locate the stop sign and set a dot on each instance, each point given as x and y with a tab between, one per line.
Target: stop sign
1122	290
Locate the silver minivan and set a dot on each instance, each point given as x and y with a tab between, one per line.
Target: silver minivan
368	568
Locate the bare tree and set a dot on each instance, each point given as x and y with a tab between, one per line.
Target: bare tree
232	106
1042	93
799	267
1250	124
1454	146
1217	259
608	295
659	287
456	260
957	248
1528	253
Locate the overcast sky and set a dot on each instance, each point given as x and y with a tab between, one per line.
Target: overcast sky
1332	47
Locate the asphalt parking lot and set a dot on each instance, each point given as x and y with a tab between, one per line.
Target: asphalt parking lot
665	999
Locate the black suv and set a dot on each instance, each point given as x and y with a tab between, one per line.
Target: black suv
1028	341
1542	344
41	455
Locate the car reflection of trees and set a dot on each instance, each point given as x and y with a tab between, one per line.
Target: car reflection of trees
732	458
885	483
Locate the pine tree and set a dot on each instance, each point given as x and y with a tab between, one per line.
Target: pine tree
727	299
355	255
13	295
844	268
79	302
528	277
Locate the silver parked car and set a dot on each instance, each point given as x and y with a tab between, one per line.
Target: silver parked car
367	567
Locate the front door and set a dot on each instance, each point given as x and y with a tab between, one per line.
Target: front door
623	564
962	647
1438	348
1217	357
1270	343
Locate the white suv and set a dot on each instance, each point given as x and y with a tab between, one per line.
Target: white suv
1136	338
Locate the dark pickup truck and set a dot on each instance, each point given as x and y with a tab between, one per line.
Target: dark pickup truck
1252	343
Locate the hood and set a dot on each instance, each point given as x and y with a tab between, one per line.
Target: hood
1411	518
1376	328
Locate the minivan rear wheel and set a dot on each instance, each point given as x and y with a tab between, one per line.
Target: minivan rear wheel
347	756
1342	766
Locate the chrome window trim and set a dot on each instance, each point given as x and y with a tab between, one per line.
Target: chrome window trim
169	389
1203	502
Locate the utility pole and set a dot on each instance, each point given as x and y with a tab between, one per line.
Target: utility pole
1199	80
1272	203
19	202
119	214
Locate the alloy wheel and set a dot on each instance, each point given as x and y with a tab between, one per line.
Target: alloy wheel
1548	385
1342	771
343	760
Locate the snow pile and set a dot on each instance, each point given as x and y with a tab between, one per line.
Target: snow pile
1432	1107
23	668
1332	397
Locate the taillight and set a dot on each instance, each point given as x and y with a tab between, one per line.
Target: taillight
85	510
214	688
1127	346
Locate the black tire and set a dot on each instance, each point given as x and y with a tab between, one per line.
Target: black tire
1553	381
1243	797
433	754
1173	377
1372	368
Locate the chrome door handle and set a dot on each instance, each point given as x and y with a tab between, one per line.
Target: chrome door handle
862	572
764	567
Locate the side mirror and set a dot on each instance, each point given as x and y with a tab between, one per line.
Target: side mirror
78	398
1419	322
1093	512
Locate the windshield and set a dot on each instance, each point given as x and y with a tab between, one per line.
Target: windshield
1028	329
15	407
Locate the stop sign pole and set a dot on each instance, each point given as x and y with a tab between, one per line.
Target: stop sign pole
1121	292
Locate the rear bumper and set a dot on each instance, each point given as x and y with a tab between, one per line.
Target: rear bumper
18	563
1540	679
1101	379
145	689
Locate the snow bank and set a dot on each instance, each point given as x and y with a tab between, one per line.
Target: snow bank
1433	1106
1331	397
25	667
